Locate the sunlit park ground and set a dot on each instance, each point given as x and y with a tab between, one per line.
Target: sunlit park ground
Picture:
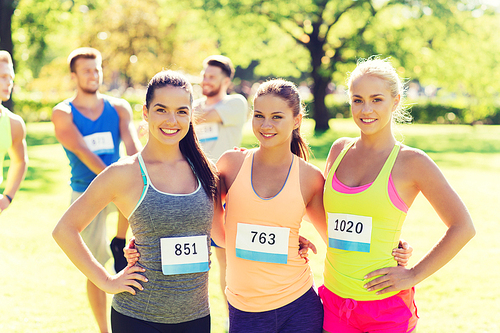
41	290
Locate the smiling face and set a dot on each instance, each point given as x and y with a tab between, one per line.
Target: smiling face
87	75
273	121
6	81
169	114
372	104
214	80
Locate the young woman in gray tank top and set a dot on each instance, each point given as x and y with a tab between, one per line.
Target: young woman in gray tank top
168	192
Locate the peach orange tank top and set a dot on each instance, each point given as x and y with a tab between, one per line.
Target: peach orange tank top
264	270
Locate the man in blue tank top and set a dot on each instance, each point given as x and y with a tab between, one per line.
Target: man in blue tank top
90	126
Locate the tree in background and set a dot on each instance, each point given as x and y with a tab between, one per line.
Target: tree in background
140	38
449	45
335	33
136	38
44	32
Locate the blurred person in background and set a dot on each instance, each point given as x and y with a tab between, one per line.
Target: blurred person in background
91	126
219	119
12	136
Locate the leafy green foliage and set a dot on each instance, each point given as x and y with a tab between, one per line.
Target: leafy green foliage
450	45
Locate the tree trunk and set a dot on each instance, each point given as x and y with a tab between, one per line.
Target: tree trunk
6	11
321	114
321	80
320	76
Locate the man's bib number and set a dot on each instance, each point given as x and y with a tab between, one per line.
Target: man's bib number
100	143
181	255
262	243
349	232
207	132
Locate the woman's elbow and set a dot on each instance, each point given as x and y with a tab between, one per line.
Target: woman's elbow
471	231
58	233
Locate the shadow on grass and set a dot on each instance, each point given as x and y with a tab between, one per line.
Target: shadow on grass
40	138
40	177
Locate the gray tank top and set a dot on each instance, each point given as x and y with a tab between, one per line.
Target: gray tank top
168	299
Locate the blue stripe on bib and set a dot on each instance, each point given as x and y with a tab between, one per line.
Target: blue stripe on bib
348	245
185	268
262	256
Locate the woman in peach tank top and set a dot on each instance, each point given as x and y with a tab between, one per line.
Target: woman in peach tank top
267	191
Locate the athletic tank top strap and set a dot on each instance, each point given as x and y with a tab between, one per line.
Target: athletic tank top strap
341	156
385	173
145	181
5	136
5	132
144	171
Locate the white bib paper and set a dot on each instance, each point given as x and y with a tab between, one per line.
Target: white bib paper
182	255
262	243
100	143
349	232
207	131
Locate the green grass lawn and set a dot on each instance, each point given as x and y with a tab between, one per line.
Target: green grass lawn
41	290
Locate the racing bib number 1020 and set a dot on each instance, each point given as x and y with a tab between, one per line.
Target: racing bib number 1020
182	255
262	243
349	232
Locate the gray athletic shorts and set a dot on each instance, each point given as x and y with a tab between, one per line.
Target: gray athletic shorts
94	235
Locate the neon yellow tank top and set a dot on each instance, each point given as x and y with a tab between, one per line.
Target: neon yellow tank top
5	137
363	228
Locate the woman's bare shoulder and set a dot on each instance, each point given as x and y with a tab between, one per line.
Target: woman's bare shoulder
124	170
232	159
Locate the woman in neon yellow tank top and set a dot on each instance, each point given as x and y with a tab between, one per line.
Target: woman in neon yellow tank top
370	183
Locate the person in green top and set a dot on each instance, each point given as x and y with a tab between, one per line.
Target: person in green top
12	136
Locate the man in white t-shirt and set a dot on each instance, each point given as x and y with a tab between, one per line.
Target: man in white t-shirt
219	121
219	117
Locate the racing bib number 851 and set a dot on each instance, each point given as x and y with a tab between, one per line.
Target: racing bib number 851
181	255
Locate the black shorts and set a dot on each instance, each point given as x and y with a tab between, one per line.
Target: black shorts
121	323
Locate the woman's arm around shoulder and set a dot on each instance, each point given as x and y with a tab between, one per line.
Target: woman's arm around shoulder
218	233
229	165
311	185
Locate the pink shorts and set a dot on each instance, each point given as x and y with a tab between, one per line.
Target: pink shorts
395	314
